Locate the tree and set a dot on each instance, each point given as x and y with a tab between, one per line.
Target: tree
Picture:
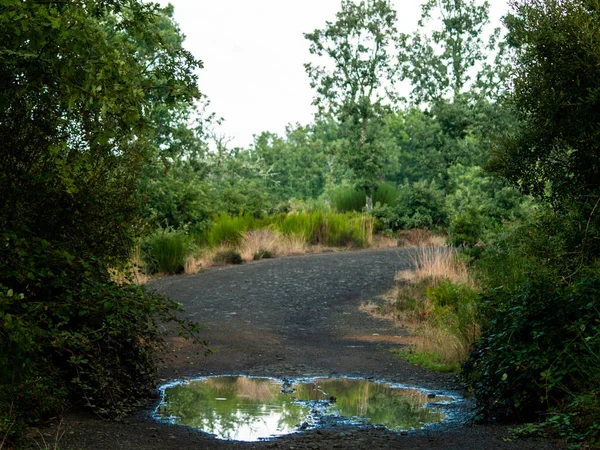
79	85
455	57
356	84
556	92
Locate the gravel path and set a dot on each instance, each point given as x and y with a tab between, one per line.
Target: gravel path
298	316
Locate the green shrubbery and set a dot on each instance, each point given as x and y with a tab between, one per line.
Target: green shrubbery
540	343
347	199
69	334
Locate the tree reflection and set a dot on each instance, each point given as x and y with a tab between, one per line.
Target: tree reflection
241	408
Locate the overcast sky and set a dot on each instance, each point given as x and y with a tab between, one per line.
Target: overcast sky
253	53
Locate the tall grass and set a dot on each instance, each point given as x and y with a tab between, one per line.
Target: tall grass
166	251
347	199
328	228
229	230
436	300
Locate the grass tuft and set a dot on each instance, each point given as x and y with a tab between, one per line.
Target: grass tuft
166	251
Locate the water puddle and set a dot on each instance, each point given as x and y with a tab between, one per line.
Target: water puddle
251	409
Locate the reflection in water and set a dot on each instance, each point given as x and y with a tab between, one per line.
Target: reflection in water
249	409
235	408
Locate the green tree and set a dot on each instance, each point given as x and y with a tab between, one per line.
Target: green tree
356	84
529	361
556	92
79	85
454	57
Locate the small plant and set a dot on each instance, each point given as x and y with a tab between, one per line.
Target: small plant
262	254
229	256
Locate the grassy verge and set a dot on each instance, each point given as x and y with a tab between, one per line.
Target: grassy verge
236	239
435	300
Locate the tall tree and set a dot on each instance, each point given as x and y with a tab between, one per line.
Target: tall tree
355	85
557	95
454	57
79	83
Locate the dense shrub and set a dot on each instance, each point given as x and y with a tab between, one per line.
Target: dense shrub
68	333
466	229
421	204
540	328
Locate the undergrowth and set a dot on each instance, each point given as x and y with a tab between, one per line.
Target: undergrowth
436	301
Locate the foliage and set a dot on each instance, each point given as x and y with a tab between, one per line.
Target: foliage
466	229
441	65
509	375
69	334
166	250
489	197
356	85
75	99
420	204
81	84
556	95
177	198
528	360
346	199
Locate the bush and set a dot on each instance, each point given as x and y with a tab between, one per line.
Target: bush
228	257
69	334
466	229
166	251
540	329
421	204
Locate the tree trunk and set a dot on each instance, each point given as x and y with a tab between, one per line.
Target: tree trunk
369	202
369	196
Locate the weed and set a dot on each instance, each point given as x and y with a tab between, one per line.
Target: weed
262	254
431	361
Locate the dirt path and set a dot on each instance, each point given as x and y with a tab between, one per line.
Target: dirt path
297	316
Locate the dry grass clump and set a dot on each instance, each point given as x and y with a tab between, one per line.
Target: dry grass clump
192	265
256	241
438	264
133	273
276	244
293	244
419	237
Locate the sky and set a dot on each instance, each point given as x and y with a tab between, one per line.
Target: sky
254	53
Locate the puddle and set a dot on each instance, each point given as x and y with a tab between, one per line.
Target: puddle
252	409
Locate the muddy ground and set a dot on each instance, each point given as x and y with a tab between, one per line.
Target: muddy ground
292	317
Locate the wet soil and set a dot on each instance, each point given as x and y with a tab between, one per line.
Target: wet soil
295	317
